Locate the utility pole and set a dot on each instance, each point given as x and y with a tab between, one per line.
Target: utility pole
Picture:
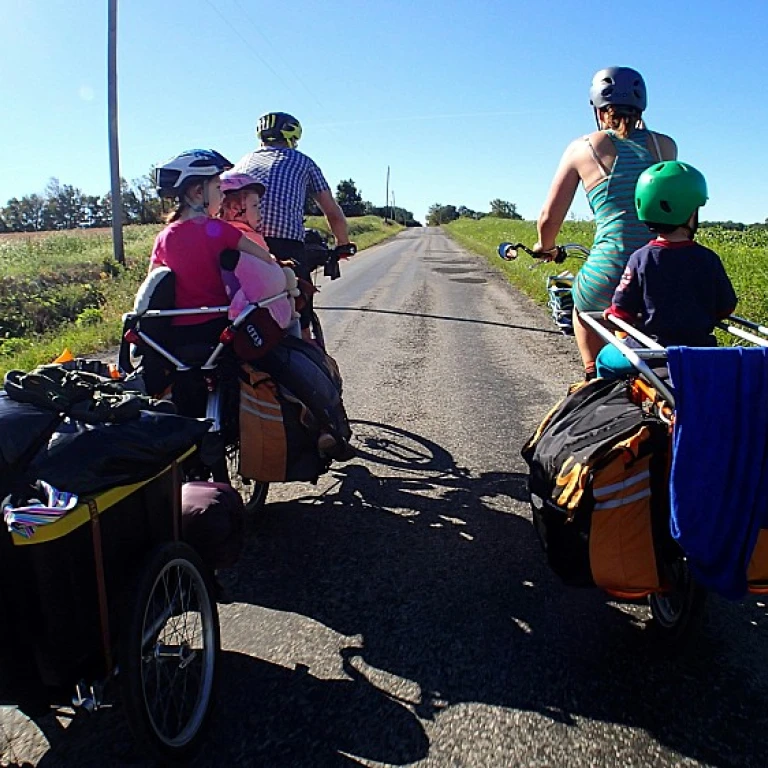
114	151
386	199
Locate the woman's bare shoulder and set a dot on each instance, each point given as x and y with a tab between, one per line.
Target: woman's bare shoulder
667	145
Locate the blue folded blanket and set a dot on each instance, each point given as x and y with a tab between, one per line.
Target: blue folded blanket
719	475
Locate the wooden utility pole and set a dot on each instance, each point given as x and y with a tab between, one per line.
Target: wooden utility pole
386	199
114	151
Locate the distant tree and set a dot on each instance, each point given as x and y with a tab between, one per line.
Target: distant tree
349	198
502	209
441	214
468	213
311	208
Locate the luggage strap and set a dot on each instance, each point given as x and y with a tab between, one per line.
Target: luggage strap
101	585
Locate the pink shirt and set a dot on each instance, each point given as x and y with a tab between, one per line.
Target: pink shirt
259	280
191	249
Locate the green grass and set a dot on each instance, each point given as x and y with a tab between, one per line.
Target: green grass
744	255
64	289
363	230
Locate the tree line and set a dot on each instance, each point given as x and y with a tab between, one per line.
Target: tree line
63	206
441	214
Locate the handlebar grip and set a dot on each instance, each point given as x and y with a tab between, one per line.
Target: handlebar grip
346	250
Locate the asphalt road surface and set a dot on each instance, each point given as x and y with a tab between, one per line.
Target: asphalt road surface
401	611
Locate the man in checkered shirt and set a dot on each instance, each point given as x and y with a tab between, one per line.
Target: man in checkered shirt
288	176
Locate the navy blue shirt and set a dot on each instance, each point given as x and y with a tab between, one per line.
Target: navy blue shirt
675	293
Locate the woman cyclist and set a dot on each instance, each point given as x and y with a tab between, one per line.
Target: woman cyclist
608	163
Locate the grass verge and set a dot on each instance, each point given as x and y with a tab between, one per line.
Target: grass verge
744	255
64	290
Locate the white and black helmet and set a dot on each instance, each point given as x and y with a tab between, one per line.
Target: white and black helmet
194	165
618	87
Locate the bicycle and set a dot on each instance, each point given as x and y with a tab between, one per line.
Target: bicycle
211	387
558	286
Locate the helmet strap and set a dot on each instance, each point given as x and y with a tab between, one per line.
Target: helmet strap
597	119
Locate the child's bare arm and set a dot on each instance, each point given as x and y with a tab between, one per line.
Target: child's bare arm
248	246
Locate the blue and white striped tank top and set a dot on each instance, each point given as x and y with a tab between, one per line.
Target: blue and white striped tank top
618	232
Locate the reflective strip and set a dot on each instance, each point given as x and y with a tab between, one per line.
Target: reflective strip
260	414
613	503
608	489
263	403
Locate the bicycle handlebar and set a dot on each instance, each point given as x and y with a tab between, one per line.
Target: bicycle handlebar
508	252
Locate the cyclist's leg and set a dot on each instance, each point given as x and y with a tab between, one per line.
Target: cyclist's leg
592	291
286	249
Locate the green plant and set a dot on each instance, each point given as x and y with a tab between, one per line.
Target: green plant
89	316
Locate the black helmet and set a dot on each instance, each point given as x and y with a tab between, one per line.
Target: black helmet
279	126
618	87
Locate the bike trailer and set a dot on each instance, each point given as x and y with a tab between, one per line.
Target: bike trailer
597	483
64	567
62	587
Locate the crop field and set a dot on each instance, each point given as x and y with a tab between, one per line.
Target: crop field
743	253
64	289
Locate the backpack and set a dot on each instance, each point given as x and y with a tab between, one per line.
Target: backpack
598	469
278	436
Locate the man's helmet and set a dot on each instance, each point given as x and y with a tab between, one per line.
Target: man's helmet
194	165
669	192
618	87
238	182
279	126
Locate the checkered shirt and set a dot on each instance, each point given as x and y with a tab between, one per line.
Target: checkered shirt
288	176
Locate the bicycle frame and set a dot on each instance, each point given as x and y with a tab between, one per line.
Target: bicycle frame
213	401
652	350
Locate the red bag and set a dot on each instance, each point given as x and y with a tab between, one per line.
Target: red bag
258	334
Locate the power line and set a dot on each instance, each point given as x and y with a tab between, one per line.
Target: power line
257	28
246	43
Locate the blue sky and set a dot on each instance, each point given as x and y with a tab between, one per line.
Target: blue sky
465	101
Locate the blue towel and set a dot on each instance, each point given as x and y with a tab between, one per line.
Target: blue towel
719	475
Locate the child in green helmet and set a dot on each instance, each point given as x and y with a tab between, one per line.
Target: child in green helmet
673	289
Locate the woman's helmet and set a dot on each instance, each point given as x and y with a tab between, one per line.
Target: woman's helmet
194	165
279	126
240	182
618	87
669	192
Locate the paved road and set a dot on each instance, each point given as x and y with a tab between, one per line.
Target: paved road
401	613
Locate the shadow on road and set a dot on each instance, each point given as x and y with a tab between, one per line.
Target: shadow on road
449	589
445	588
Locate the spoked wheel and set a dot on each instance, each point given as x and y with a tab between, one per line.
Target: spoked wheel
253	493
168	654
678	613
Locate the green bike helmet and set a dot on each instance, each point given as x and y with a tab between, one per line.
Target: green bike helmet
669	192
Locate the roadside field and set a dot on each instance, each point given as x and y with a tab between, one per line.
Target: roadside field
744	255
64	289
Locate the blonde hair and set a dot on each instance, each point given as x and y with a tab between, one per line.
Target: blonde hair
182	204
623	120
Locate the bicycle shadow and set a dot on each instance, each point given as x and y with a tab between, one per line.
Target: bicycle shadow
418	588
265	714
441	576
